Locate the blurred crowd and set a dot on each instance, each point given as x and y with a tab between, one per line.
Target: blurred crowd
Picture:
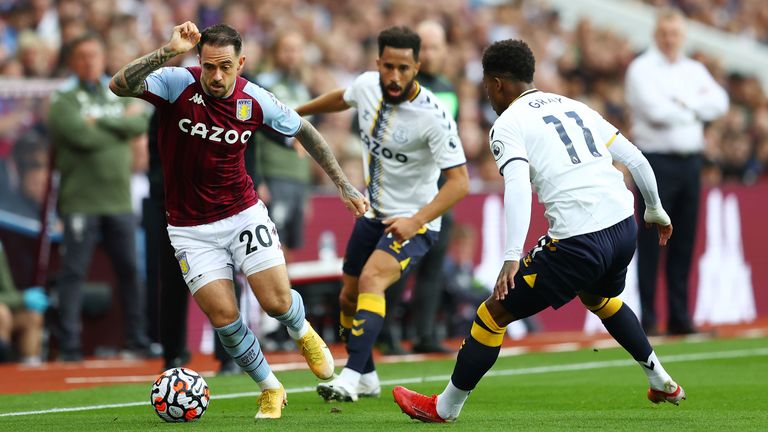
748	18
339	41
585	62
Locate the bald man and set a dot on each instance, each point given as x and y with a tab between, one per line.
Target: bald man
434	50
671	97
428	287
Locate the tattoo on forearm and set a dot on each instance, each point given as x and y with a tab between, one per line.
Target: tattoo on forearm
130	79
316	146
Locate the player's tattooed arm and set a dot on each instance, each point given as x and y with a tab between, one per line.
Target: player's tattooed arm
318	148
129	80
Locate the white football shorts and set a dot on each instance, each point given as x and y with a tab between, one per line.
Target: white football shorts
247	240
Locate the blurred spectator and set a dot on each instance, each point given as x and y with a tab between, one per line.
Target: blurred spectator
283	171
31	157
428	288
168	293
21	314
584	62
748	18
463	293
92	131
282	166
670	96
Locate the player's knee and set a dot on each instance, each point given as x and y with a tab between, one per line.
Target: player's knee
37	319
603	307
373	281
487	329
223	316
30	319
277	305
6	319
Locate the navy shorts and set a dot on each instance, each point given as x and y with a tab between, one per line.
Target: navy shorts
555	271
368	235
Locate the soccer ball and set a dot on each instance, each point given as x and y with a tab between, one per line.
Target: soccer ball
179	395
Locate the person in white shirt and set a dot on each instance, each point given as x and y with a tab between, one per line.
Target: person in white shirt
671	97
566	150
409	139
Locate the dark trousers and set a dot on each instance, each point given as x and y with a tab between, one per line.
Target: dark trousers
164	279
679	180
173	293
117	235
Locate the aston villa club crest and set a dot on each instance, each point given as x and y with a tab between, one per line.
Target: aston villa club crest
244	109
183	263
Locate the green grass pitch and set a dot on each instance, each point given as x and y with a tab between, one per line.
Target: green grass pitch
726	382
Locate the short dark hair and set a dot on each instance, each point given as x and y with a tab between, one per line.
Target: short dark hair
510	58
400	37
220	35
87	36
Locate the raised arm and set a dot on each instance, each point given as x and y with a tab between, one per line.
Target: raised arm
129	81
316	146
330	102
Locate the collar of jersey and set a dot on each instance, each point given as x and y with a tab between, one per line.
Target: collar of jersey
416	94
525	93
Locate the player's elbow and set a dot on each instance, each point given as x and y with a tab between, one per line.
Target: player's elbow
459	179
113	87
463	186
117	89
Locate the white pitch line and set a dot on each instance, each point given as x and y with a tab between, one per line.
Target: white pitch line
507	372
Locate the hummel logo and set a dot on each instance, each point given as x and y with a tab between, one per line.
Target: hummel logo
650	365
197	99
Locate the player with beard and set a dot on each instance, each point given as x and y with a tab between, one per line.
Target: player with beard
206	115
409	138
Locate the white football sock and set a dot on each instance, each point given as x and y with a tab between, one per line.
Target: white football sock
270	382
450	402
655	372
350	377
370	378
298	334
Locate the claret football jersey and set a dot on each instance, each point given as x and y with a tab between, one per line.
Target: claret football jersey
202	141
405	146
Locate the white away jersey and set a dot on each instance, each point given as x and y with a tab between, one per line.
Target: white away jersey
565	144
406	146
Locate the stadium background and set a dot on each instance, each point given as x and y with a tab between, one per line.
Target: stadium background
580	52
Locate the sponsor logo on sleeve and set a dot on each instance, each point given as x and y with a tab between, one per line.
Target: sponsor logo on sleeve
453	144
497	148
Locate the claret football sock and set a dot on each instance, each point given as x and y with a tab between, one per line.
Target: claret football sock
241	344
